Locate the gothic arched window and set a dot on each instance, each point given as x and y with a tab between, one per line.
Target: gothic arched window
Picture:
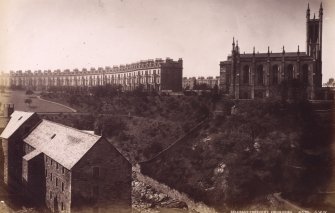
260	73
289	72
275	71
305	74
246	74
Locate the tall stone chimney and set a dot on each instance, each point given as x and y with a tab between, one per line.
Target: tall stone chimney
8	110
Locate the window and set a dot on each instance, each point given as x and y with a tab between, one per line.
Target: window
51	161
56	181
275	69
305	74
46	173
50	194
63	170
95	191
260	75
51	176
46	159
62	187
96	172
289	72
57	165
246	74
62	206
52	137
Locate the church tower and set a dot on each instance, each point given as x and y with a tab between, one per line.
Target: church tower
314	43
314	34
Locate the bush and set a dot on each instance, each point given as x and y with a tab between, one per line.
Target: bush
29	92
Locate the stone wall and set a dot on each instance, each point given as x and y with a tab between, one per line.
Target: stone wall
14	151
58	186
174	194
102	180
33	178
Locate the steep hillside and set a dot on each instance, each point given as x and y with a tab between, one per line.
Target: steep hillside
266	147
140	127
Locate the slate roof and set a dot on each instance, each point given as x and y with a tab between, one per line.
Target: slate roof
272	55
16	120
63	144
31	155
287	54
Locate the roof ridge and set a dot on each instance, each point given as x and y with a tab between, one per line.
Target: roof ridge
63	125
23	111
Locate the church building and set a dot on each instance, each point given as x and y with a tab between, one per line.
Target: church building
263	75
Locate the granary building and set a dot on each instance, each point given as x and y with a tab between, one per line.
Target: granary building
66	169
260	75
19	125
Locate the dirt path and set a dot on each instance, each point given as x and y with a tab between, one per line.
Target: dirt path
72	110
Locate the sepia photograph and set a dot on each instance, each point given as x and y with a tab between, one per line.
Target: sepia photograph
167	106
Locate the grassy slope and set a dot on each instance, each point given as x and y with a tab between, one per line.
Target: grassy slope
154	123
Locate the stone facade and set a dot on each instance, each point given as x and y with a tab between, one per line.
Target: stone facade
58	186
152	75
64	169
258	75
188	83
33	175
13	151
102	181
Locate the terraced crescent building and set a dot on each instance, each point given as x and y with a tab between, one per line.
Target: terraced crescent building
153	75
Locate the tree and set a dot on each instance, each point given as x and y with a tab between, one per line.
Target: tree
330	83
139	90
29	92
202	86
28	101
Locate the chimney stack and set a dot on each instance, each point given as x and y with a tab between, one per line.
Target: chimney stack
8	110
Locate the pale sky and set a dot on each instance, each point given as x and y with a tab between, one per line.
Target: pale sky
67	34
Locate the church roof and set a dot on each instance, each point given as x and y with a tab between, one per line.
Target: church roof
16	120
63	144
287	54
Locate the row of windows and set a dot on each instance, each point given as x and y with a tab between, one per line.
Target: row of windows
79	79
57	180
288	73
52	162
143	72
55	200
90	81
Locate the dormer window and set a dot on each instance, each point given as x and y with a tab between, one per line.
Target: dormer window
20	118
52	137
